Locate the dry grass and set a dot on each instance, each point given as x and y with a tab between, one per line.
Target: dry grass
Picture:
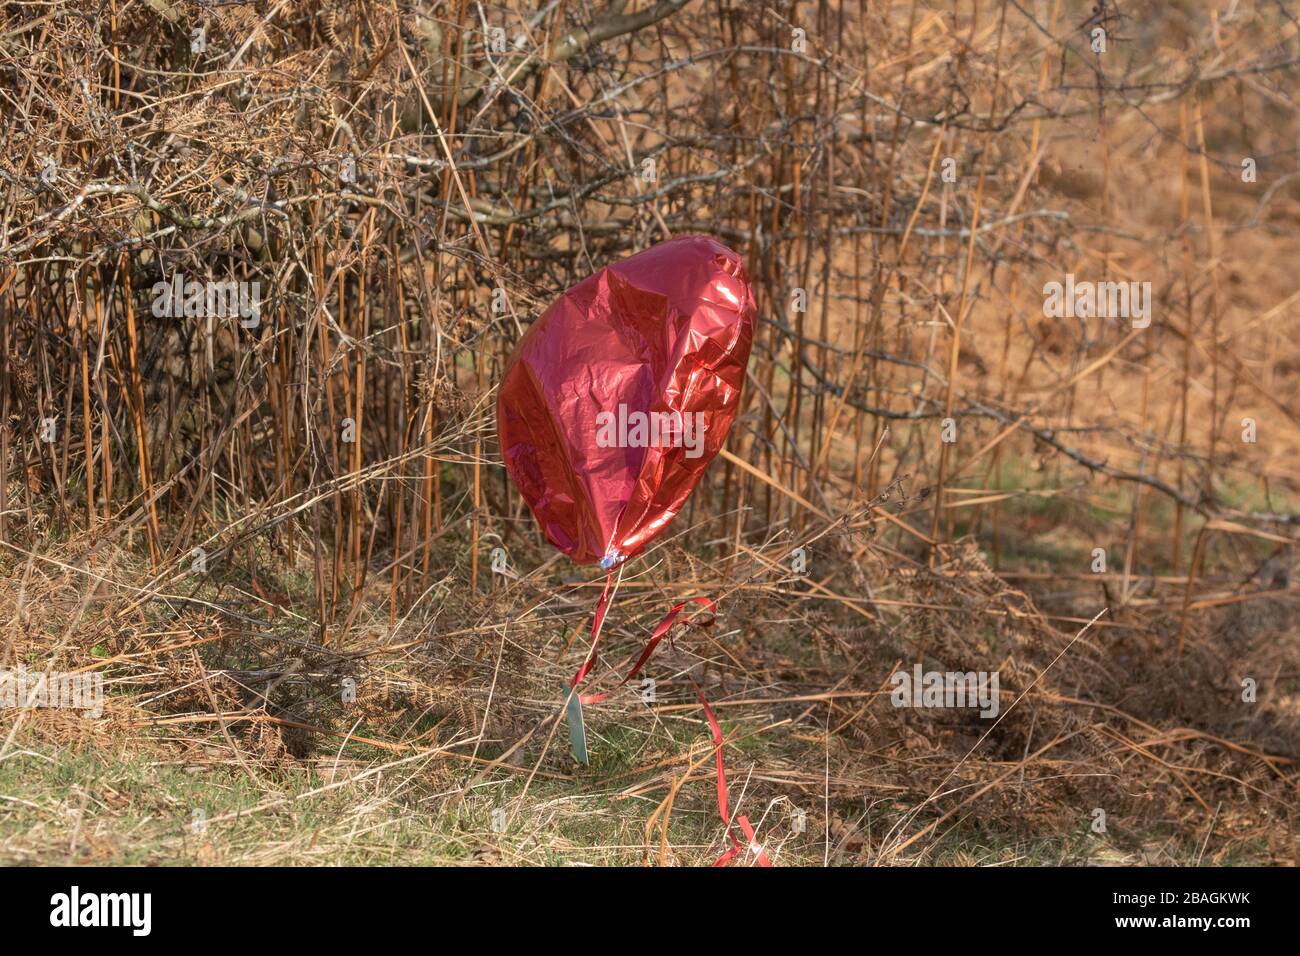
335	564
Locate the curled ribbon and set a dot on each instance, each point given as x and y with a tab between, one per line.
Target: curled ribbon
660	632
724	808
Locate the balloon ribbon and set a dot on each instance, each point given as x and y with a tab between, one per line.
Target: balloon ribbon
577	732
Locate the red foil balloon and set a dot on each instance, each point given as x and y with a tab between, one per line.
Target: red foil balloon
619	396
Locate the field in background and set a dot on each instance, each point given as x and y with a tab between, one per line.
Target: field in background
308	654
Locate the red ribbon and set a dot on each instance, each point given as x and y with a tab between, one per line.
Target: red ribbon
665	626
724	808
660	632
602	607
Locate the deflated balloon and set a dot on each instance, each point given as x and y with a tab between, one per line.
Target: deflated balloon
618	397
